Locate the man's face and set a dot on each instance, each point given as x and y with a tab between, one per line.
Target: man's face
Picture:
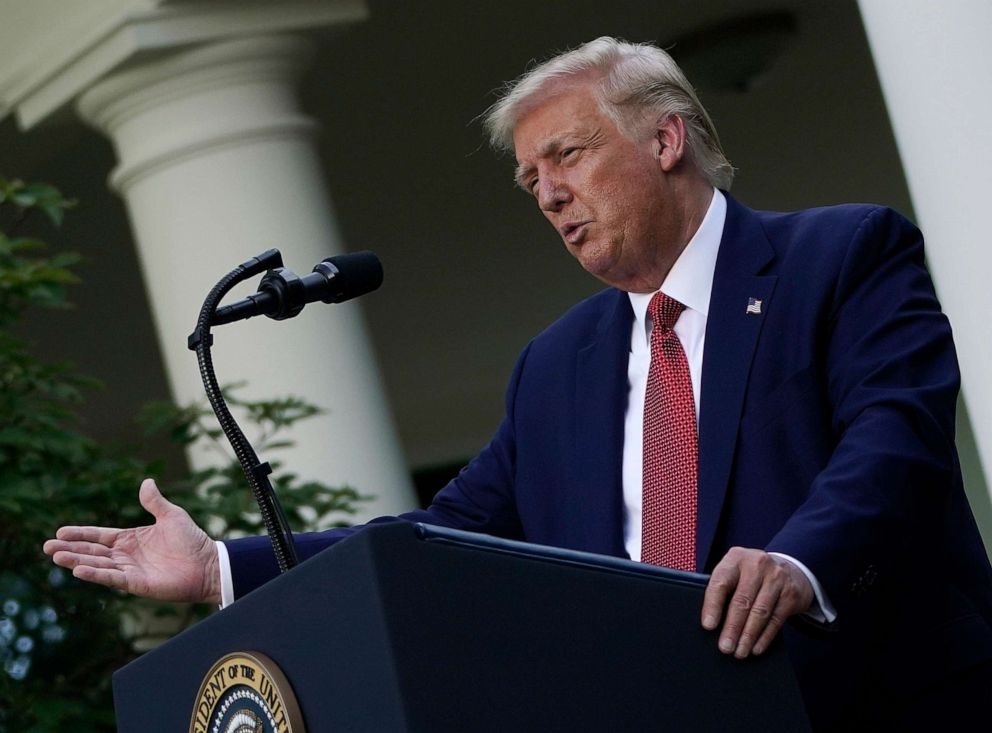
608	196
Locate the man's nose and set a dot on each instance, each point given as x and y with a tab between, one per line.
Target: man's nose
552	193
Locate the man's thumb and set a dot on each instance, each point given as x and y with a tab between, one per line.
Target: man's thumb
152	500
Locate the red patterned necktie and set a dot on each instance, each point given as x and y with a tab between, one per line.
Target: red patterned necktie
668	530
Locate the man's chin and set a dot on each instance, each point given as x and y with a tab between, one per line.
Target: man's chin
593	259
607	272
602	269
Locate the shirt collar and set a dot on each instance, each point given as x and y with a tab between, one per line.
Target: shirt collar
690	280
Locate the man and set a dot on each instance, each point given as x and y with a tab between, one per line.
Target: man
801	359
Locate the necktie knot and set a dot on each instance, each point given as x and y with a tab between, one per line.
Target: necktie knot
664	311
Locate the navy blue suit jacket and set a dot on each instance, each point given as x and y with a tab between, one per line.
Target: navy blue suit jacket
826	431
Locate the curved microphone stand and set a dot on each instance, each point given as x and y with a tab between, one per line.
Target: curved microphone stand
255	471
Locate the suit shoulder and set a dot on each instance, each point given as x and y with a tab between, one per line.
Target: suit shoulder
841	221
832	233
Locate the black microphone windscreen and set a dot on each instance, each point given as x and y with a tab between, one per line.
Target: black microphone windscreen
356	273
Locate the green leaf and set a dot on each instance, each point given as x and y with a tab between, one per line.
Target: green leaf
20	244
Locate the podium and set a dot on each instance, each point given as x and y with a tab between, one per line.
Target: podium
405	627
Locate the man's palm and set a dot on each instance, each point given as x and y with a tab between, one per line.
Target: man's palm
170	560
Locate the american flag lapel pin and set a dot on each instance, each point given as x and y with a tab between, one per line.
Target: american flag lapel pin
753	307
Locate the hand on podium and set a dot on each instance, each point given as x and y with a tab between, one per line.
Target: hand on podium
170	560
759	592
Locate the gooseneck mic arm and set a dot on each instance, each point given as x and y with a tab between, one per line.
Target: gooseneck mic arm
282	294
255	471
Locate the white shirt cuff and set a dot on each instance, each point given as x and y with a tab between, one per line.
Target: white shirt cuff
822	609
226	581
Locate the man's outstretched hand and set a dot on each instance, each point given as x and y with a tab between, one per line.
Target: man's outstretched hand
759	592
170	560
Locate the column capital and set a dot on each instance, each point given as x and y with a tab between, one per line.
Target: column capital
52	51
210	97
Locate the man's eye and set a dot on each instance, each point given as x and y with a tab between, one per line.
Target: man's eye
532	186
567	152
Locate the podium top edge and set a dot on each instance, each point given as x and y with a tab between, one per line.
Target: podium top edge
488	543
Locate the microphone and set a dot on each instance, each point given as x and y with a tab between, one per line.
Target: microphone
282	293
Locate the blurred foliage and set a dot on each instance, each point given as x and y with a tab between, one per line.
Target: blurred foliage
61	639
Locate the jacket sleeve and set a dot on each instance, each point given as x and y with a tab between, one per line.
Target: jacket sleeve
891	380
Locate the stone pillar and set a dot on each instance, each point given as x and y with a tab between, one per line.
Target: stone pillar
216	164
933	61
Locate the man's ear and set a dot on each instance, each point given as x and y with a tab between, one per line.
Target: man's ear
670	139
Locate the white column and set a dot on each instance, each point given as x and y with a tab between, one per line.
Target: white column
216	164
934	61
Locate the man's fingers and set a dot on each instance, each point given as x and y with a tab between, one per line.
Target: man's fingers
738	610
52	546
796	596
82	548
75	559
99	535
768	635
767	590
762	614
718	590
101	576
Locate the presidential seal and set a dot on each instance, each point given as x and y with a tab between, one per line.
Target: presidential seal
246	692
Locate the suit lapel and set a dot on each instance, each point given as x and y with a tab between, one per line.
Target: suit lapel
600	403
731	336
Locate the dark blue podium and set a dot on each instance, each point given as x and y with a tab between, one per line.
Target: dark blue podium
403	628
